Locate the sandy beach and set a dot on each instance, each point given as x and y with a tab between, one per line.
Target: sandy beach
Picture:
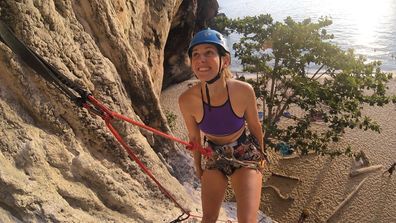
319	185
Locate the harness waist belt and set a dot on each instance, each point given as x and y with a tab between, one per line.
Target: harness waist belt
234	144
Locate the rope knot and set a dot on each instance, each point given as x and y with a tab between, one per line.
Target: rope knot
205	151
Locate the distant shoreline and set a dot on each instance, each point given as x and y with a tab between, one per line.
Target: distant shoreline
253	75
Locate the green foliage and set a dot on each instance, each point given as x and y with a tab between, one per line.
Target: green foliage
299	67
171	118
220	23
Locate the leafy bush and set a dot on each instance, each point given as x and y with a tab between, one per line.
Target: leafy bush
171	118
299	68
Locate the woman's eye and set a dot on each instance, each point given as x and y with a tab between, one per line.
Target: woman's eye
209	53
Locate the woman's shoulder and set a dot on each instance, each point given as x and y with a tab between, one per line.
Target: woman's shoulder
191	93
241	95
238	85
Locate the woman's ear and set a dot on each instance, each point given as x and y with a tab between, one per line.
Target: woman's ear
227	60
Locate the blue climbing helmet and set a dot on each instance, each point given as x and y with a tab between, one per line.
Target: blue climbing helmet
209	36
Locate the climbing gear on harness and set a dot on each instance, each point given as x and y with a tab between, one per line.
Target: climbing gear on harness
243	152
85	99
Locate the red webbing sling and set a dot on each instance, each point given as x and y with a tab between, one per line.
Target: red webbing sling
84	99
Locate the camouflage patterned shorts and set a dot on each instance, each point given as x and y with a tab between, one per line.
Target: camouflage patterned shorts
228	159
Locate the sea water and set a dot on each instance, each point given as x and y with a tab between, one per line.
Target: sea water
368	26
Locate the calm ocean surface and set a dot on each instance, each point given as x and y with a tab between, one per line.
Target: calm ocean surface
368	26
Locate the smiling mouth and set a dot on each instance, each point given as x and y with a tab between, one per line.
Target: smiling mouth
203	69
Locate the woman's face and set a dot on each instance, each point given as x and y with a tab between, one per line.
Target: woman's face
205	61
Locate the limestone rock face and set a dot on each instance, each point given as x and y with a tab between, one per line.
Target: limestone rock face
193	15
59	163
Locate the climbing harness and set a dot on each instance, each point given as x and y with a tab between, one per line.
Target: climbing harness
85	99
241	145
227	153
245	163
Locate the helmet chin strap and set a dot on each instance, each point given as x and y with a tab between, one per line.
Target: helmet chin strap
211	81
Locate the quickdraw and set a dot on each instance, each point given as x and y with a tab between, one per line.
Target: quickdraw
229	156
246	163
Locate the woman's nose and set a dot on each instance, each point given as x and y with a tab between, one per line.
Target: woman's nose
201	57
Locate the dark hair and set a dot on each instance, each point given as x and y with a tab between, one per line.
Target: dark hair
220	50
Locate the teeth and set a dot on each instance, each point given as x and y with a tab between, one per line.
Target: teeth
203	69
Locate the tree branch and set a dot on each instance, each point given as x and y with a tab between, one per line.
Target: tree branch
356	172
342	204
317	71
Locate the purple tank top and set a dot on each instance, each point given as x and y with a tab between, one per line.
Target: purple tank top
220	120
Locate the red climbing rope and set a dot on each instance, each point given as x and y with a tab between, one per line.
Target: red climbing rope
104	110
82	98
95	107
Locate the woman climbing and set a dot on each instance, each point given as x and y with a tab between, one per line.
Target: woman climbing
220	108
